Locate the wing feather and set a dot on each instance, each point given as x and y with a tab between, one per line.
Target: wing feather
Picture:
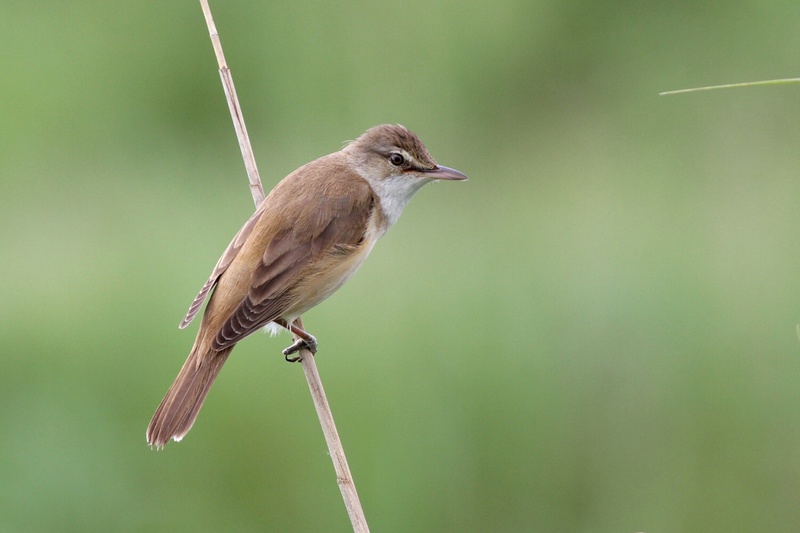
325	221
227	257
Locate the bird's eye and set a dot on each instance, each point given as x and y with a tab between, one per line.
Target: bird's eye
396	159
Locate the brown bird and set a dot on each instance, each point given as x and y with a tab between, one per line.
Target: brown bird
305	240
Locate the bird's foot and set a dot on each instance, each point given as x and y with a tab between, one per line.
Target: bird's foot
309	343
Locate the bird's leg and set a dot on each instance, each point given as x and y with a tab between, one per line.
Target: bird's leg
304	340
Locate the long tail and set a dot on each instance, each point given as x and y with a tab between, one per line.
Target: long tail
178	410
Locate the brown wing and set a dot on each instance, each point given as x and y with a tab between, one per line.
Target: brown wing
329	217
223	263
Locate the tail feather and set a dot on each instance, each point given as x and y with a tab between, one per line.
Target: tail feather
178	410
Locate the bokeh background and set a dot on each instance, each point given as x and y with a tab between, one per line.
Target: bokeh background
596	333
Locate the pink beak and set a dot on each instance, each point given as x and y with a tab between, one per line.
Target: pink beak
444	173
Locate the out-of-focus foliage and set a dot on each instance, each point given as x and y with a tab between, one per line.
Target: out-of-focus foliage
595	333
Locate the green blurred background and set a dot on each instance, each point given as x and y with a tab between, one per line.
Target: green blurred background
596	333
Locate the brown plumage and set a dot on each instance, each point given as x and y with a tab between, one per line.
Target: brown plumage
308	236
